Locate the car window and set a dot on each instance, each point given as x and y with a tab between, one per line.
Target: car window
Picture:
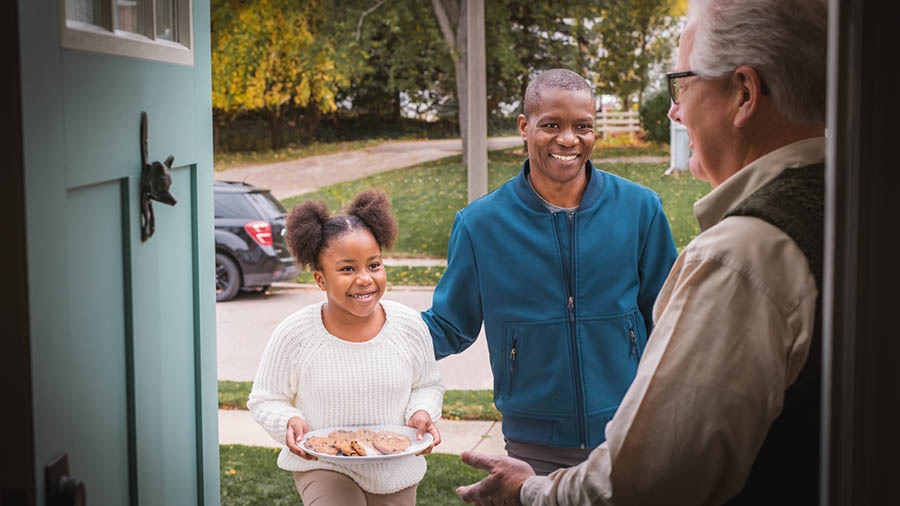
234	205
267	205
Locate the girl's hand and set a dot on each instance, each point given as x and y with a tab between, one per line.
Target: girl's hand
295	430
421	420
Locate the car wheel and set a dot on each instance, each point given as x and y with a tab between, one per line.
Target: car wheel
228	278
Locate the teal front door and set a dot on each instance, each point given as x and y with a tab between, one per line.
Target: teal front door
122	330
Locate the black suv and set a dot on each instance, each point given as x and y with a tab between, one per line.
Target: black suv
251	252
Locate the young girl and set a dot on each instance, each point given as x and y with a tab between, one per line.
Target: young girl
351	360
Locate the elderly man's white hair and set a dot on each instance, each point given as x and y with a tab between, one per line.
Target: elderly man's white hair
784	40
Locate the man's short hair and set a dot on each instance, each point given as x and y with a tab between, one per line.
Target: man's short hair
785	41
554	78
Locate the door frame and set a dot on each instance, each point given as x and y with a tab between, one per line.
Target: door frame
860	442
17	480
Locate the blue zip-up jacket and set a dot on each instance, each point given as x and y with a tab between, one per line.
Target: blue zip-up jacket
566	304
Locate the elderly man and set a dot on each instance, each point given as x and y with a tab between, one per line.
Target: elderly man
725	405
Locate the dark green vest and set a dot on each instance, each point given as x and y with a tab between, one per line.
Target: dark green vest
786	470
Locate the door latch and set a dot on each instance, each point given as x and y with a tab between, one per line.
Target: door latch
156	178
62	489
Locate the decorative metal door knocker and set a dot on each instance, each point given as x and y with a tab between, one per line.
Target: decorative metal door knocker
156	179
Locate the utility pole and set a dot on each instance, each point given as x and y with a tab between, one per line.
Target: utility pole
476	151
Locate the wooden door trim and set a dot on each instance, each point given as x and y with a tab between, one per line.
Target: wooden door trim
17	471
860	375
198	336
128	307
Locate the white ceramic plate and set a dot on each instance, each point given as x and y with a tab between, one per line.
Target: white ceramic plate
410	432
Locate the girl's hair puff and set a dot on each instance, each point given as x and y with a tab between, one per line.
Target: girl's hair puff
305	232
310	228
373	209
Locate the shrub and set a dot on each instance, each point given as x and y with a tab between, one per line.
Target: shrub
653	116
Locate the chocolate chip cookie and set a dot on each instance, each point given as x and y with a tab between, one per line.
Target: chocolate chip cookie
389	443
321	445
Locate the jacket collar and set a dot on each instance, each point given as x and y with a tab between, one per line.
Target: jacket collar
532	200
711	208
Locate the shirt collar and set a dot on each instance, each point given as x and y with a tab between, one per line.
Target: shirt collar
710	209
530	197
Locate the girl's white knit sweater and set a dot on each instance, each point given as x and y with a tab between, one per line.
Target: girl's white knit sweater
308	372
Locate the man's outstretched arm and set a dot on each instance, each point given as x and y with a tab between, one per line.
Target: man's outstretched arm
709	384
455	316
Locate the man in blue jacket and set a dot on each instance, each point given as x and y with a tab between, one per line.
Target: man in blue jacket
562	264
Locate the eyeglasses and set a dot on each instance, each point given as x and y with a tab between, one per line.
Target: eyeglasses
675	89
672	80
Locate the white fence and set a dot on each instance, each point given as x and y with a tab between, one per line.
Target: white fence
617	122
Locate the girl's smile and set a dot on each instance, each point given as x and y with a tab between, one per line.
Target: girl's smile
353	276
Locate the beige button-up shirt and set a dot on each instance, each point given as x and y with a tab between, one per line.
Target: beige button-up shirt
732	330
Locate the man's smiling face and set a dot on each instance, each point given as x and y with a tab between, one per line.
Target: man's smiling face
560	135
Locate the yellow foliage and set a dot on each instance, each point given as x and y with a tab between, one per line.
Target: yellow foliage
265	55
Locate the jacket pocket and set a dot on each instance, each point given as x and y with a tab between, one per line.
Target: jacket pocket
537	374
611	347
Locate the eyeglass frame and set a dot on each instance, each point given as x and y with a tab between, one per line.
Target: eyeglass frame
671	76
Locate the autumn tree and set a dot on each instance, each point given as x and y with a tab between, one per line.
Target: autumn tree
267	56
629	37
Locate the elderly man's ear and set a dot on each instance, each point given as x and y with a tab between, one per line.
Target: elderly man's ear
749	94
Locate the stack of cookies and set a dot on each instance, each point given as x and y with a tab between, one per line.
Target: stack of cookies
359	443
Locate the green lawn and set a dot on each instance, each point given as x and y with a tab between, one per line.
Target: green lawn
458	404
400	275
250	476
427	196
233	394
224	161
469	405
601	151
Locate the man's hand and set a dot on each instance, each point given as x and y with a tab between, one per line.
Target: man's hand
421	420
501	487
295	430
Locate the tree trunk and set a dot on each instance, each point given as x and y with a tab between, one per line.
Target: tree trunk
275	128
462	78
308	121
451	17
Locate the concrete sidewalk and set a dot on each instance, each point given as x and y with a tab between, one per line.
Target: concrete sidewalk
295	177
238	427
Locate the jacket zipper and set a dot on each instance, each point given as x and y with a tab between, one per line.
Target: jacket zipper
512	364
573	343
579	391
633	349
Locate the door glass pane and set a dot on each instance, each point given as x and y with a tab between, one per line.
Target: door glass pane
128	15
86	11
165	20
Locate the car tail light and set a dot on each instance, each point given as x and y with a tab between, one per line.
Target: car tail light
260	231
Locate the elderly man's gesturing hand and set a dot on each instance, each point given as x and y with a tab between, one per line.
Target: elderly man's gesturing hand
501	487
